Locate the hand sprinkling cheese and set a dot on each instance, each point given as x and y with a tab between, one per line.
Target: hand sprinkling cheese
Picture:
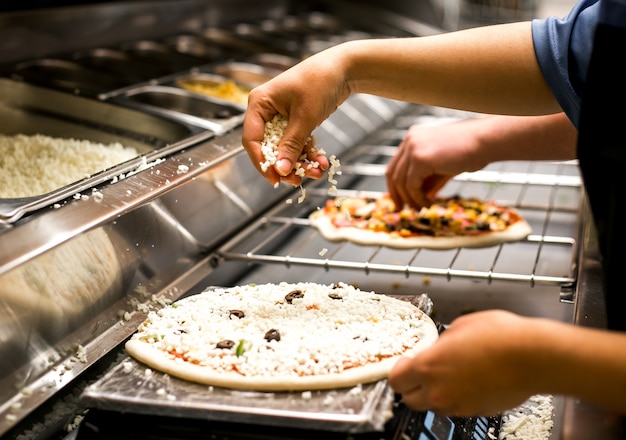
274	131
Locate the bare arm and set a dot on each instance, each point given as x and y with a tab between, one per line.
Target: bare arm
488	362
429	156
489	70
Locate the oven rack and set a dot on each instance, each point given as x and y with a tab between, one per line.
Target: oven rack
285	237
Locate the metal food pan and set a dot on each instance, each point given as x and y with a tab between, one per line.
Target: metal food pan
244	72
284	44
196	46
232	43
29	109
66	75
275	29
179	104
313	22
163	55
273	60
120	64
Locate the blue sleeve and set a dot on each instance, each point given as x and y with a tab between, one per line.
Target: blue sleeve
563	49
613	13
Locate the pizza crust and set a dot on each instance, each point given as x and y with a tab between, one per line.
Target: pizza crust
195	373
405	318
517	231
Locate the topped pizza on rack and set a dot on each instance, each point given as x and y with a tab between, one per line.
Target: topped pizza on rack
449	222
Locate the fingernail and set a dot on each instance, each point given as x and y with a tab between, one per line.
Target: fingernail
283	167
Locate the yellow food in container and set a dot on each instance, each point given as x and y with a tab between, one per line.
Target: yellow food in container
228	90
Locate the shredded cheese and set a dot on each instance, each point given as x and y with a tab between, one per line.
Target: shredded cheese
326	329
530	421
38	164
274	131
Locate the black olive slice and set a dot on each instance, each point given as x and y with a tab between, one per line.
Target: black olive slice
294	294
236	313
272	335
226	343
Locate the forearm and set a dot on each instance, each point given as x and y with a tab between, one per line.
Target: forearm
586	363
499	138
489	70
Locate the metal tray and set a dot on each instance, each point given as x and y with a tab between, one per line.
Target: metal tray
120	64
131	387
175	103
246	73
67	75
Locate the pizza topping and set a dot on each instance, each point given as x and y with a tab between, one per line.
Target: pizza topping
448	223
242	347
272	335
293	295
444	217
226	343
236	313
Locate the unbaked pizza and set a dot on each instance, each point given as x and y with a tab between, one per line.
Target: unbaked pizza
449	222
282	337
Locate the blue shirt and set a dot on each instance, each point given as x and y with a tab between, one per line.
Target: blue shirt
563	49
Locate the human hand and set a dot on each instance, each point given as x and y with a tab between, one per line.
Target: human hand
477	367
428	157
306	95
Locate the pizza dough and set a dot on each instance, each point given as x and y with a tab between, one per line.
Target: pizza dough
448	223
282	337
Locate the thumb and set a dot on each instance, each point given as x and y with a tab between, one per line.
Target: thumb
291	147
399	376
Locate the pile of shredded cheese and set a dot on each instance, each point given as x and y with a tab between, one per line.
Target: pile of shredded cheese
37	164
530	421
